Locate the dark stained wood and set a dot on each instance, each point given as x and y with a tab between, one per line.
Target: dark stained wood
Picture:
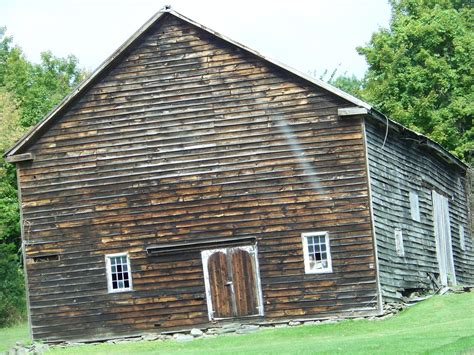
221	292
244	282
187	139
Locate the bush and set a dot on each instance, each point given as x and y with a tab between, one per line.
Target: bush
12	289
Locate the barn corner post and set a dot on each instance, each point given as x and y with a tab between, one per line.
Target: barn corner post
380	306
361	114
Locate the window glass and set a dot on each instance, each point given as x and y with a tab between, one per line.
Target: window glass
316	251
119	278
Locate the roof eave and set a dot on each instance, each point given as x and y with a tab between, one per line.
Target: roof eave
442	152
23	141
81	86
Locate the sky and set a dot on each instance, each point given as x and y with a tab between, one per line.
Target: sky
310	36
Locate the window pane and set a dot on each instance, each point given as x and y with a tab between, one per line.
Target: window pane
317	252
119	273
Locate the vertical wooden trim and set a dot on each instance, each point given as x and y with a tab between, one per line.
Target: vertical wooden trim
205	254
260	306
23	253
372	220
230	278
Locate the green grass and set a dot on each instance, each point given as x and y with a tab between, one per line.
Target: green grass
442	324
9	336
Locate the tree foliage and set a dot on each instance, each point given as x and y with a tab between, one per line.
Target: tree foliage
421	70
27	92
350	84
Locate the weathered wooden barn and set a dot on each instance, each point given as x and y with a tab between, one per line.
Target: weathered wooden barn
190	181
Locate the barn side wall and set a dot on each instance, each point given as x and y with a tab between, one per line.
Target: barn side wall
188	138
396	168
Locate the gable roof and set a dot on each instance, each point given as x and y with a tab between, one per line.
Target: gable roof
36	131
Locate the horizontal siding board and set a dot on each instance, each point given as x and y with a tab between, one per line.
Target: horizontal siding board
185	139
400	167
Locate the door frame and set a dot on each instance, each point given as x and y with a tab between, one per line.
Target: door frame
442	232
253	251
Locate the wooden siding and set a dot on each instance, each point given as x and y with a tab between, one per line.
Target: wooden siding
400	167
186	138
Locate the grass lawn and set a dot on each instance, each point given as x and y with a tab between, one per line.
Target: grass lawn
9	336
442	324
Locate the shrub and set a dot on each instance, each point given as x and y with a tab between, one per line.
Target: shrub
12	289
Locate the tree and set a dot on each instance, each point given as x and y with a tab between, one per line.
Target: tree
10	131
27	92
12	300
421	70
350	84
39	87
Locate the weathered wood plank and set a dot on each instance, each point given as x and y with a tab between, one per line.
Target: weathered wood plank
188	139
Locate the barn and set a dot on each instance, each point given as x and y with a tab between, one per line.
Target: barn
190	182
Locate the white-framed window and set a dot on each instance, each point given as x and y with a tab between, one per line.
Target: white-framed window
119	277
399	242
317	252
414	206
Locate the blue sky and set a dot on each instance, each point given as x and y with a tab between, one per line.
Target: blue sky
307	35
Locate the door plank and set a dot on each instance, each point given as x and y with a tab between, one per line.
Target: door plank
244	282
220	292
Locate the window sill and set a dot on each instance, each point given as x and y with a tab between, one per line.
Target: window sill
324	271
121	291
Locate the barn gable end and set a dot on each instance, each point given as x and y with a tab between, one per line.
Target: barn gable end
187	139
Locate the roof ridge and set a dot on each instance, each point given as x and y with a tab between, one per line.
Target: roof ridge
37	129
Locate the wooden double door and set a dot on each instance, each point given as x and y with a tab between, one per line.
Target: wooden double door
232	282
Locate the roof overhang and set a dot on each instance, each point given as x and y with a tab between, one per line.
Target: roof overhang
37	130
360	108
391	124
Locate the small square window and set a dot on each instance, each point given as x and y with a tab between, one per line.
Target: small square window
118	276
316	251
